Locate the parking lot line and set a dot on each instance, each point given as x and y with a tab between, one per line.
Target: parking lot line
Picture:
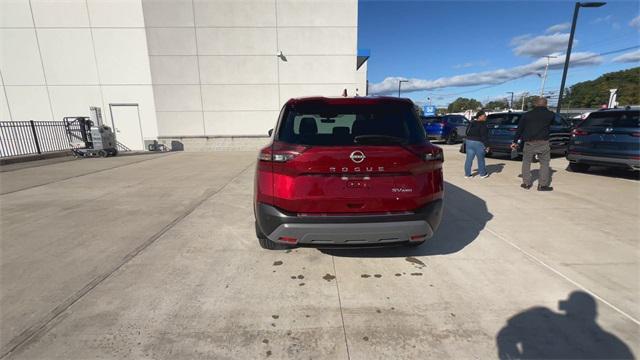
344	329
557	272
83	174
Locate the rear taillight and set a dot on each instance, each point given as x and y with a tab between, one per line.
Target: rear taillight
434	156
636	134
427	153
513	129
281	152
579	132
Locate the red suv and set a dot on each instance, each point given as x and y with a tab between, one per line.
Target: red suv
348	171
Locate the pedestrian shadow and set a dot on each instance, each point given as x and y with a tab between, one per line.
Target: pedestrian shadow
535	175
494	168
540	333
464	217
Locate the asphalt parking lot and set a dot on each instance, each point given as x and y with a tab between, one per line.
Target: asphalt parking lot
155	257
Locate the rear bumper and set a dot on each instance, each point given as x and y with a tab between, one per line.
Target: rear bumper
350	229
632	164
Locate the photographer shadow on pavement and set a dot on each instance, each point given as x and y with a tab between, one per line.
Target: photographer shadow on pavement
539	333
465	215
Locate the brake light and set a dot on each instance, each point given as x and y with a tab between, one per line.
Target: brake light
579	132
636	134
427	153
513	129
281	152
435	156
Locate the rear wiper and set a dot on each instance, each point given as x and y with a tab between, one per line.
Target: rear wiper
379	139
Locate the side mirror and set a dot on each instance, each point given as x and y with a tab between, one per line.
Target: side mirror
270	132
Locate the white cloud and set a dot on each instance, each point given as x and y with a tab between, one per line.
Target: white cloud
635	22
630	57
471	64
540	45
558	28
390	84
604	19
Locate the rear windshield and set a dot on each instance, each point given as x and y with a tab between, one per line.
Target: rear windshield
628	119
503	119
431	119
329	125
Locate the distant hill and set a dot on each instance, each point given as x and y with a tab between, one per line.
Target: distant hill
592	94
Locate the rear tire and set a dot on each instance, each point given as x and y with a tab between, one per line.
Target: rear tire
267	244
577	167
452	138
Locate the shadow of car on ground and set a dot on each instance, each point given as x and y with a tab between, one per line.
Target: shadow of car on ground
465	215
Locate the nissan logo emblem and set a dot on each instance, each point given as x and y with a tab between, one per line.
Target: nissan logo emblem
357	156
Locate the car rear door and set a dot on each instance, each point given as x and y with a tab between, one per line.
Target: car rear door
502	128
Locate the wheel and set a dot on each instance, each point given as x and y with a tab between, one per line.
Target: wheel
265	243
577	167
102	153
452	138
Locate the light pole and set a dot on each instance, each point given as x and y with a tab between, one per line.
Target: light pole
568	56
524	96
400	84
511	103
544	77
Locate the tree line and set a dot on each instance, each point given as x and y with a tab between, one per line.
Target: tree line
586	94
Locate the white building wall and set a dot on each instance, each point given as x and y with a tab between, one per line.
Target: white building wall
214	65
197	68
58	58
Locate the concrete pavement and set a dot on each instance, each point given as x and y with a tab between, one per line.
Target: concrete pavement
158	259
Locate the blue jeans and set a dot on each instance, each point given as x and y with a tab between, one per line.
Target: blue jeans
474	149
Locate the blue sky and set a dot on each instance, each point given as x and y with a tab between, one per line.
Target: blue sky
429	40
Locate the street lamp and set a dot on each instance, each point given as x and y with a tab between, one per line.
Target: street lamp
400	84
568	56
511	103
544	77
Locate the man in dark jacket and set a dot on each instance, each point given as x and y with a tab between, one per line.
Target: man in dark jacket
533	130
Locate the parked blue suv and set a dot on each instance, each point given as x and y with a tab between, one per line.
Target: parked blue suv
503	126
608	138
449	128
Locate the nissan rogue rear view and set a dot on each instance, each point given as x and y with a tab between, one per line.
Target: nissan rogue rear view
348	171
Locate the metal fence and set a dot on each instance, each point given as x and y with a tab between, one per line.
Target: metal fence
33	137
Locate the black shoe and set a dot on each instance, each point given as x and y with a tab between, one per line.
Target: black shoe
545	188
525	186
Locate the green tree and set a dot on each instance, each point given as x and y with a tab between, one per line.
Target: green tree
593	93
461	104
497	105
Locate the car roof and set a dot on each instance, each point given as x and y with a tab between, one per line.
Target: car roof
507	113
356	100
615	110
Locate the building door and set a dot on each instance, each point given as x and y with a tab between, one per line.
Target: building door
125	120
